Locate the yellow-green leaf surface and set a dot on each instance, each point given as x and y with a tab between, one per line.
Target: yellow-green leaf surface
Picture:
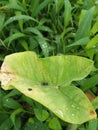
48	81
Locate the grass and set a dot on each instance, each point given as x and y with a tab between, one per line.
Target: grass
49	27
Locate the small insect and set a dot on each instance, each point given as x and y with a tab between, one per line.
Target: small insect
44	83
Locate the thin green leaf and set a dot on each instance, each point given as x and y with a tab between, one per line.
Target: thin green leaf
10	103
59	5
90	82
95	103
12	93
34	7
13	37
15	7
18	17
2	18
3	117
79	42
14	4
85	24
18	123
44	45
94	28
33	30
6	125
13	116
44	28
93	42
67	12
24	44
20	22
43	4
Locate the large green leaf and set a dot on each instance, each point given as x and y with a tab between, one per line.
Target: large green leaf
48	81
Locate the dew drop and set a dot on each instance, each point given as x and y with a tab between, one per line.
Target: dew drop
73	114
77	108
60	113
73	106
96	2
7	100
94	46
44	45
57	87
66	108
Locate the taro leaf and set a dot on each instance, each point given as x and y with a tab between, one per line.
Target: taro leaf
47	80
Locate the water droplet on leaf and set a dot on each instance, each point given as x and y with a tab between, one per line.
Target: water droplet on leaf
73	106
66	108
77	108
60	113
73	114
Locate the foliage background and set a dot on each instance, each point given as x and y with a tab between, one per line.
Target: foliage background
49	27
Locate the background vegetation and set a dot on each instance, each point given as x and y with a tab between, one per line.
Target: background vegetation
48	27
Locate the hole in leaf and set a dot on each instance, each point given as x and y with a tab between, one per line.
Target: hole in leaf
92	113
29	89
44	83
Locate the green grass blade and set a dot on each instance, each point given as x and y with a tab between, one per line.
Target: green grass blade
44	46
6	125
33	30
85	24
43	4
90	82
44	28
18	17
15	7
2	18
37	6
24	44
81	42
20	22
58	4
94	28
34	7
93	43
14	114
15	36
67	12
95	103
